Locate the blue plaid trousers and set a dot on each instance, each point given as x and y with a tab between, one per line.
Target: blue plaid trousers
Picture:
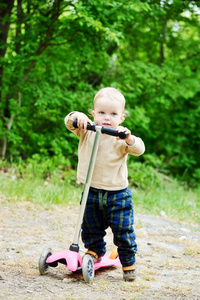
112	209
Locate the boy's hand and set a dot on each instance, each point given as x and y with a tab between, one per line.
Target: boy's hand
130	140
82	120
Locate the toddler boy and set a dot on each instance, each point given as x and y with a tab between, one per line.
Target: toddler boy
109	202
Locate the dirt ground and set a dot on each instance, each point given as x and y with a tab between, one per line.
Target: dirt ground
168	259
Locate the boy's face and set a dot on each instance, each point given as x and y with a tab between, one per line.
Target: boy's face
108	112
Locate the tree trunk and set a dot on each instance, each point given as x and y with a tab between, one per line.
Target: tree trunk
9	126
5	10
6	7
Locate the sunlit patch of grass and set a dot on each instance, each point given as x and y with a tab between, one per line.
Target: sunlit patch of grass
46	183
170	199
44	192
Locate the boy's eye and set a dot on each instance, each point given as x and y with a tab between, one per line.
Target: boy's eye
101	112
113	114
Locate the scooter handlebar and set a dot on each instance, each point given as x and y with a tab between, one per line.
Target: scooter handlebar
104	129
89	126
113	132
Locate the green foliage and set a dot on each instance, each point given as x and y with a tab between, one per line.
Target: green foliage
143	176
165	113
42	168
59	53
47	181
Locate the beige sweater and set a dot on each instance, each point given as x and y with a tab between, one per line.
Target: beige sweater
110	169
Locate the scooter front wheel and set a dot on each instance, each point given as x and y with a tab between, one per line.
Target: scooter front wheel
43	266
88	268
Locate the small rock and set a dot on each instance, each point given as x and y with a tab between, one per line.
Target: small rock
182	238
175	256
163	213
1	278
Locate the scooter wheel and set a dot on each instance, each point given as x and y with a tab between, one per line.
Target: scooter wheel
88	268
43	266
114	254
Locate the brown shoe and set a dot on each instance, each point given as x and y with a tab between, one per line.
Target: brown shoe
94	256
129	273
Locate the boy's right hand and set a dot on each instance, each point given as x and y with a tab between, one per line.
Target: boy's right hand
82	120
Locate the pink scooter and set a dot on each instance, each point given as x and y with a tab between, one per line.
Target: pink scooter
71	258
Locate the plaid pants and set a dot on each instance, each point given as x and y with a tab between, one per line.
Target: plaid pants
112	209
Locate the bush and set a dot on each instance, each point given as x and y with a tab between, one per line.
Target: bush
143	176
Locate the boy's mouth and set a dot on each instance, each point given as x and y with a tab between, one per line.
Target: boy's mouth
106	124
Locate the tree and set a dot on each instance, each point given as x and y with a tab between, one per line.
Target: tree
33	30
59	53
82	29
158	67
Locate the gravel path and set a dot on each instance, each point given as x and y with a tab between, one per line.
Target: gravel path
168	260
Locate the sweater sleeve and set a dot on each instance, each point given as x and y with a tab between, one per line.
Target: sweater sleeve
69	124
137	149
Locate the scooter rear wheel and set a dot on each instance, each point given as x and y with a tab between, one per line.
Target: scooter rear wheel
43	266
88	268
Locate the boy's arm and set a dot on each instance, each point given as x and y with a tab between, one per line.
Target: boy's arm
135	145
130	139
81	118
138	148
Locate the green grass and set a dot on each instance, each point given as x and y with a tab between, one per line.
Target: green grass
43	191
170	199
47	184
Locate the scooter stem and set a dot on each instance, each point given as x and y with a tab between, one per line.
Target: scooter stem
87	185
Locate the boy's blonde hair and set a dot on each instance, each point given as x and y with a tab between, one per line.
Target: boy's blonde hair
110	93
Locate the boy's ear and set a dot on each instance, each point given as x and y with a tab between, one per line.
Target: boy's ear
122	118
93	113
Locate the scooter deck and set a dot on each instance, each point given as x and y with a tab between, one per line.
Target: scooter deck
72	260
107	262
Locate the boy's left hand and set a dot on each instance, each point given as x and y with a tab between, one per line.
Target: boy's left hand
130	140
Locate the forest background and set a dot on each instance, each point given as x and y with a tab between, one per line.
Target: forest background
56	54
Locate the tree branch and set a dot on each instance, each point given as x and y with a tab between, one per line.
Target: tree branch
162	54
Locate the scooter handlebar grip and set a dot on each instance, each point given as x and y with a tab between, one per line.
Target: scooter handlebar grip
75	124
89	127
113	132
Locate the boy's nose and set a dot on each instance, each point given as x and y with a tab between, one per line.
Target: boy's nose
107	117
